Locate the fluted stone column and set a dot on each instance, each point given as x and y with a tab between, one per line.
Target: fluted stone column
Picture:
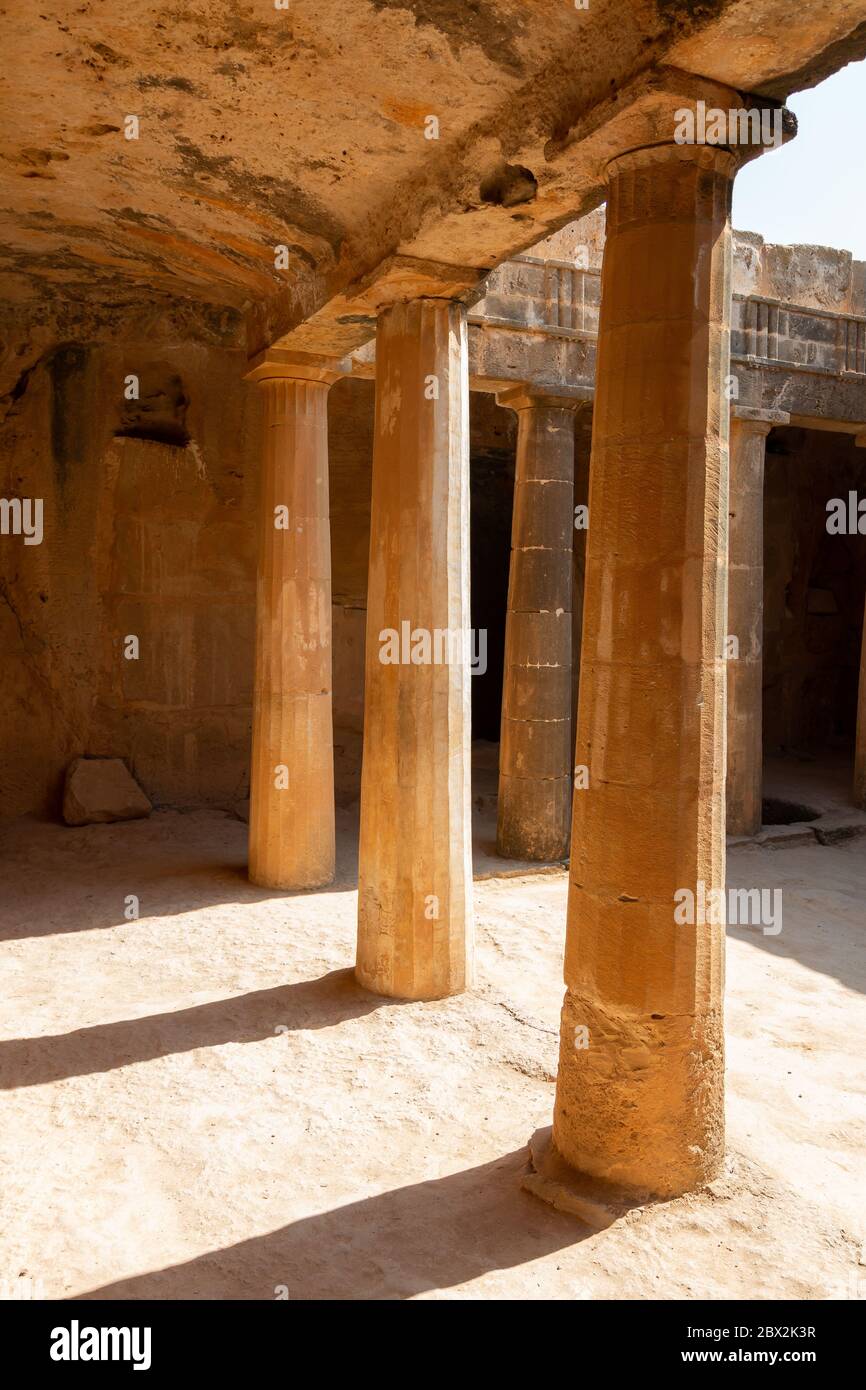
415	872
534	805
639	1098
291	837
749	430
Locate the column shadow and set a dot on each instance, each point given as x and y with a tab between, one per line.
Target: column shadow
427	1236
823	919
63	879
332	999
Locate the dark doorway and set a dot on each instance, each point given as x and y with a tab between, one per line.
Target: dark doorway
814	586
493	437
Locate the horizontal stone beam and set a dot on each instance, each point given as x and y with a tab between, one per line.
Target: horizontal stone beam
448	241
833	426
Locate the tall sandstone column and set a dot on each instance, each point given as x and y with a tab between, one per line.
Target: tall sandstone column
291	839
582	446
860	735
639	1099
749	430
415	871
534	807
860	745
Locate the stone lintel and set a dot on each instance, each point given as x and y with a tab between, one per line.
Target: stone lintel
448	255
348	320
761	421
400	279
298	366
823	422
525	395
361	366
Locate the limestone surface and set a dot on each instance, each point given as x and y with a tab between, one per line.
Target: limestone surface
102	789
217	1108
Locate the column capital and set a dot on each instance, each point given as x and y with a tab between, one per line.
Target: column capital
670	186
525	396
714	157
756	421
281	363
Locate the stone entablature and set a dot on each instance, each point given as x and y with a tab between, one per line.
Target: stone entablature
529	293
770	332
537	323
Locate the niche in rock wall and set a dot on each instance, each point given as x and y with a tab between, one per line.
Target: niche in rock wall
154	406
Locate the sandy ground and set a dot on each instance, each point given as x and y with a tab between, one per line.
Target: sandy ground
202	1103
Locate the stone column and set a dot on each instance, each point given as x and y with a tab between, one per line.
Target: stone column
415	870
639	1099
534	806
749	430
582	446
860	745
291	838
860	738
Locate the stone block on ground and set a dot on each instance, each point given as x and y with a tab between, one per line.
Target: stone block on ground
99	790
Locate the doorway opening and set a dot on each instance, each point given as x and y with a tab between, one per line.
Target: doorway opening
493	441
814	588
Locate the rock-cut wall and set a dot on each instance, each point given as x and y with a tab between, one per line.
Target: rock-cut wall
148	511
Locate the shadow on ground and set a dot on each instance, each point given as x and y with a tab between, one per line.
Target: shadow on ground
431	1235
310	1004
823	928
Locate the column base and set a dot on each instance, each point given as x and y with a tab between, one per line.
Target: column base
406	994
598	1204
308	885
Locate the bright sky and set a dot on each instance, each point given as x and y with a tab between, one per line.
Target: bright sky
813	190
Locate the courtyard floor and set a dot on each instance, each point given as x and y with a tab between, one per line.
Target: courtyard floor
201	1103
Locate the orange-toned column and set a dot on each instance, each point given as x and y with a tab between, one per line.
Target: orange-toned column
749	430
582	445
534	805
415	873
639	1097
860	746
291	840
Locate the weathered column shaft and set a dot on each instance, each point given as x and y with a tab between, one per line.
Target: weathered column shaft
746	624
639	1098
415	871
291	839
534	807
860	745
582	446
